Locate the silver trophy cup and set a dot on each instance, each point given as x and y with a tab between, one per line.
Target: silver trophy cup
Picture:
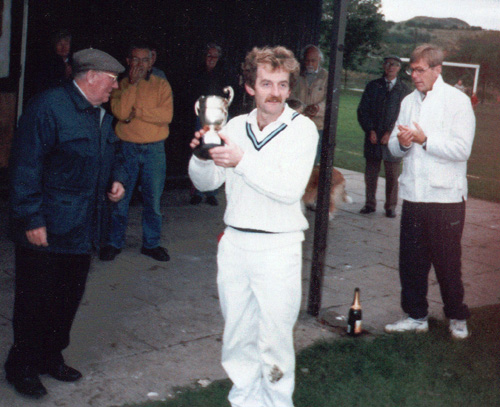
213	112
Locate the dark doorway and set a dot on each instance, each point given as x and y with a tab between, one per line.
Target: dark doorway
180	29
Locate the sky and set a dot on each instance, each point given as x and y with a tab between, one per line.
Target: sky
483	13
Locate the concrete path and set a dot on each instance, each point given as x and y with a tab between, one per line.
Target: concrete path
145	328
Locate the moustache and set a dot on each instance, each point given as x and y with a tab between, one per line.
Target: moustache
273	99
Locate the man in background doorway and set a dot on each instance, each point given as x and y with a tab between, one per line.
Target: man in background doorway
210	79
143	105
310	90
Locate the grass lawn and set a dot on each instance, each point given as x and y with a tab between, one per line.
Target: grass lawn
484	163
403	370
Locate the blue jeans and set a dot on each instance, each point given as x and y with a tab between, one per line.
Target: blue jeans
145	163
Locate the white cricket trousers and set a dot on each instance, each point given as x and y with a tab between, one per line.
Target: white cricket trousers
259	282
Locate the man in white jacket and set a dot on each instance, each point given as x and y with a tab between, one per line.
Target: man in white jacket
265	162
434	134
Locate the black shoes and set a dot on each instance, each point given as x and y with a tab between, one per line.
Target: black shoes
212	200
27	383
108	253
366	210
63	373
195	200
158	253
390	213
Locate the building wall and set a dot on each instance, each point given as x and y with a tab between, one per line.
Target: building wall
180	29
7	121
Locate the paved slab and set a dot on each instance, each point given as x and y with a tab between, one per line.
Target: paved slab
145	326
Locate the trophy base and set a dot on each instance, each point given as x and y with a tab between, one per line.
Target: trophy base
202	150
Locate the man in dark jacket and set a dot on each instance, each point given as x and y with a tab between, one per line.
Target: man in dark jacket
377	113
65	168
211	78
56	69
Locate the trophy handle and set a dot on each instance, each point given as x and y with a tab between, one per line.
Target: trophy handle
197	107
229	89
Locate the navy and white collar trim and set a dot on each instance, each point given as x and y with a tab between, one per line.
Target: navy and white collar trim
260	144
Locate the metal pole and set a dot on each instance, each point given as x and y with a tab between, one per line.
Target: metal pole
327	152
476	80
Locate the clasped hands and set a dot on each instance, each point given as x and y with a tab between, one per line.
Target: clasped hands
407	135
227	155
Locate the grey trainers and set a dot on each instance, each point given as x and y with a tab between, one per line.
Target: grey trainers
408	325
458	328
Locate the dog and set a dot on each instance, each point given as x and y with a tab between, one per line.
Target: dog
337	191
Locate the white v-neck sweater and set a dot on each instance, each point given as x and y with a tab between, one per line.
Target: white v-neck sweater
264	190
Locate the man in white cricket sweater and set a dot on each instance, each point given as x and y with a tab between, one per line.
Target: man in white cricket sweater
266	162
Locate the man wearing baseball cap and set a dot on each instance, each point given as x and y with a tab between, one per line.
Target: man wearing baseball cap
65	169
377	113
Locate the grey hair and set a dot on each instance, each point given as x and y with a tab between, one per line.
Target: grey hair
307	48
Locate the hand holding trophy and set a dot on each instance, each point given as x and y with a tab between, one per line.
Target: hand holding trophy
213	112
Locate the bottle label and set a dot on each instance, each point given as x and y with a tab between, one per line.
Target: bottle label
357	327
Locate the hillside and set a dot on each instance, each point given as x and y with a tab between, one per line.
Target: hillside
437	23
464	44
446	32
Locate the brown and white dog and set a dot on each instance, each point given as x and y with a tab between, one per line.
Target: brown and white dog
337	191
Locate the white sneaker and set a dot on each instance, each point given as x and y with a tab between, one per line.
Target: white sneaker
407	325
458	328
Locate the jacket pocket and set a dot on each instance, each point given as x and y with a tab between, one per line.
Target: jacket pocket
444	175
64	213
73	164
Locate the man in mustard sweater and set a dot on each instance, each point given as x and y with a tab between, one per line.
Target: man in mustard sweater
143	106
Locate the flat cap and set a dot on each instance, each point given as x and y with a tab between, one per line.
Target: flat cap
392	57
95	59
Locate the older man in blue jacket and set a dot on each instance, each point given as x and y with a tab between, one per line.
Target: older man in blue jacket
65	168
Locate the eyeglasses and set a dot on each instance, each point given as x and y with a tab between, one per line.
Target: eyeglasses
392	64
114	78
418	71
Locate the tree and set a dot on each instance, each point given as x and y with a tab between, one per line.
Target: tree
364	30
483	49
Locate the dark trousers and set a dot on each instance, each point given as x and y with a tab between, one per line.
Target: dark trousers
48	291
431	234
391	183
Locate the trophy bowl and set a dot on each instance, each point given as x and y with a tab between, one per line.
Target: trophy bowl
212	112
